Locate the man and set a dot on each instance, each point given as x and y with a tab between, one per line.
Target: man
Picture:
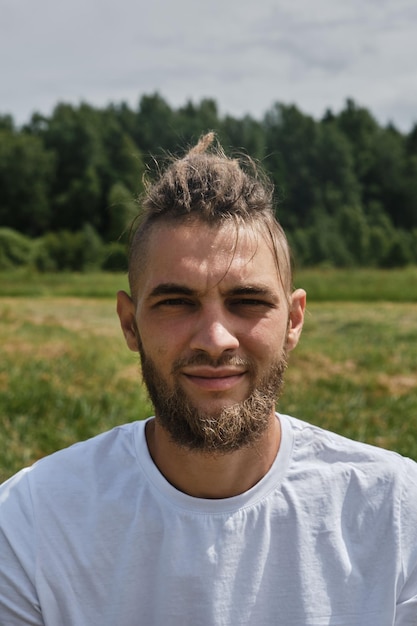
217	511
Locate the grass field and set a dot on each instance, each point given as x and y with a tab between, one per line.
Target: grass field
65	373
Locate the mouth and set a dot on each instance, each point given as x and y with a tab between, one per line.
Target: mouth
214	379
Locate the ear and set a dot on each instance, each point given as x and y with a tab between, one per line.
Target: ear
296	317
126	313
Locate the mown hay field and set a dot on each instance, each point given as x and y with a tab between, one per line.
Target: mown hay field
66	374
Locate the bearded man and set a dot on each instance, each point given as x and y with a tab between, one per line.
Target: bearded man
217	511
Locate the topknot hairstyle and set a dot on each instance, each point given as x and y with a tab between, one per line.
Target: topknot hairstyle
207	186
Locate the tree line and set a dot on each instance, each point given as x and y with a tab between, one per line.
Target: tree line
346	186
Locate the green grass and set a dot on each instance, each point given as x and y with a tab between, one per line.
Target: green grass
66	374
355	372
359	285
25	282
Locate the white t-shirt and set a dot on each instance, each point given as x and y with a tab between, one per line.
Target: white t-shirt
95	536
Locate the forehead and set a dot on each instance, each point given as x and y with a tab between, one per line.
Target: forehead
201	256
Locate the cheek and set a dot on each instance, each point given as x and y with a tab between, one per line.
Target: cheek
155	350
267	340
162	348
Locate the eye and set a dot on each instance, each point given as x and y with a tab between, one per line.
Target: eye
251	303
254	302
174	302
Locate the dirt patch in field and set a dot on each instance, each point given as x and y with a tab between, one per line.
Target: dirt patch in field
50	350
82	315
130	372
312	368
309	369
398	385
4	381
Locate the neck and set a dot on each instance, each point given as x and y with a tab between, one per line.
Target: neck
213	475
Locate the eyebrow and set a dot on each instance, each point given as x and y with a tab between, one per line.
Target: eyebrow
252	290
164	289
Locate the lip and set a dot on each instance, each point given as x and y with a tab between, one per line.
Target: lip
212	379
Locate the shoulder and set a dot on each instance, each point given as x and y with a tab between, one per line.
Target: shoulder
313	442
72	487
103	449
76	469
357	467
360	483
369	492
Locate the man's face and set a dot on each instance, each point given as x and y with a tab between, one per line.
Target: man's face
213	326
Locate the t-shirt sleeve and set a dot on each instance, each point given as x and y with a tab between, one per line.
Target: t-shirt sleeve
19	605
406	612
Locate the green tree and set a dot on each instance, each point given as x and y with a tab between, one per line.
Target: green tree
70	251
327	244
400	251
311	163
245	133
333	170
93	153
155	125
192	120
383	164
360	128
6	123
411	177
79	202
122	210
291	151
15	249
381	234
354	230
74	138
387	180
121	174
26	172
121	159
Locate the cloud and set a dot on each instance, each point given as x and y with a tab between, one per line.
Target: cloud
246	56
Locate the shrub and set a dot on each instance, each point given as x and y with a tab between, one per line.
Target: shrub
15	248
114	257
400	252
73	251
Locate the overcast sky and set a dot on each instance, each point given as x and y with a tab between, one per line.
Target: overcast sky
246	54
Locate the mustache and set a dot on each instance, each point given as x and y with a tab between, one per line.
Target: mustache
204	359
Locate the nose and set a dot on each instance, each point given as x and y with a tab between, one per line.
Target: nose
214	334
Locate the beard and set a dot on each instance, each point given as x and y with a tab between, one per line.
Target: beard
228	429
